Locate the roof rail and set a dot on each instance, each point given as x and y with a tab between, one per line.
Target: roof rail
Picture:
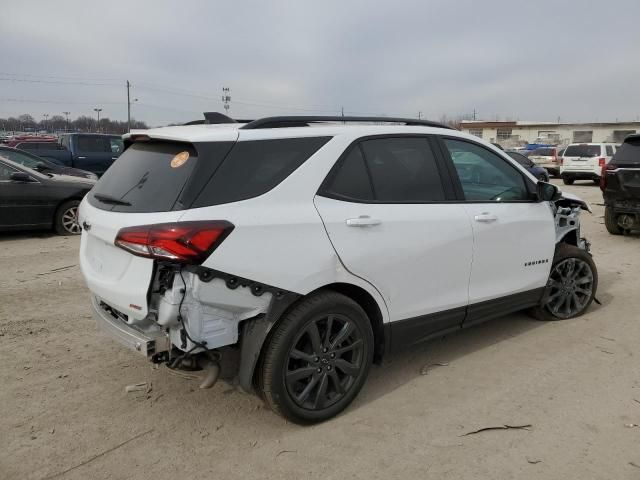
211	118
305	120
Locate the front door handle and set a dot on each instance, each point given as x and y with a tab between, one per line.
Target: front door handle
363	221
81	158
485	217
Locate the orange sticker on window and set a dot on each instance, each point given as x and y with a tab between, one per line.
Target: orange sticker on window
180	159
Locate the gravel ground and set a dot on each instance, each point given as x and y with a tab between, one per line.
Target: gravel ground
65	413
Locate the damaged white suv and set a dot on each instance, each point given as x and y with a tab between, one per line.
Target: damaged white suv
292	252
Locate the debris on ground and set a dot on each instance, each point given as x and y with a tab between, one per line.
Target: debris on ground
424	370
634	464
186	376
285	451
55	270
502	427
631	425
139	387
533	462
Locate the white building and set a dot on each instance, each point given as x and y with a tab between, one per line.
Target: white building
511	134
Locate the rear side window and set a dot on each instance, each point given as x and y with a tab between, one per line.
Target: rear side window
147	177
403	170
351	180
252	168
94	144
387	170
582	151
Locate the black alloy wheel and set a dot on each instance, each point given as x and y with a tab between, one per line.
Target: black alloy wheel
317	358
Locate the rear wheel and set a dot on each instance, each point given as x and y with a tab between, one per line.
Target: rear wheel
66	219
572	285
567	180
611	222
596	181
317	359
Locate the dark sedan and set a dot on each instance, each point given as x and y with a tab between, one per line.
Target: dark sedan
32	200
42	165
538	172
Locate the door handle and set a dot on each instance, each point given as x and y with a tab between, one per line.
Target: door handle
81	158
485	217
362	221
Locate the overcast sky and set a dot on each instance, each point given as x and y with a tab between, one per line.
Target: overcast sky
520	59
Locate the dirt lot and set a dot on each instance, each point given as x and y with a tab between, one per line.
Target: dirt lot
65	413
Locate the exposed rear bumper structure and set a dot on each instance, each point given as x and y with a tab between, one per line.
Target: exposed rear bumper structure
145	337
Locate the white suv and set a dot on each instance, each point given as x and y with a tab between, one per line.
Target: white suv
584	161
309	247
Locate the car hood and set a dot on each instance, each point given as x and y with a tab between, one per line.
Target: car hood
571	200
79	181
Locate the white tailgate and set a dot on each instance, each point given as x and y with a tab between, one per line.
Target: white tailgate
119	278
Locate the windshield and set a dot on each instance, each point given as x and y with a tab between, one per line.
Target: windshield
99	144
582	151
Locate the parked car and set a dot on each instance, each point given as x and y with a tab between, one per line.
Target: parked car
94	152
620	184
52	151
547	158
32	200
315	250
16	139
584	161
42	165
538	172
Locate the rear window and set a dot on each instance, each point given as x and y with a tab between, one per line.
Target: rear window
628	153
97	144
582	151
255	167
145	178
543	152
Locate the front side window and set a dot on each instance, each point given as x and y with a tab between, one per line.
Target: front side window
21	158
484	176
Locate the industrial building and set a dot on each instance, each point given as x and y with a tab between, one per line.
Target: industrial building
512	134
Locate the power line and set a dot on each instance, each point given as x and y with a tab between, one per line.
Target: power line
57	82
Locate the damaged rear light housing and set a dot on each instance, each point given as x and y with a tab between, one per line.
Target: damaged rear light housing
180	242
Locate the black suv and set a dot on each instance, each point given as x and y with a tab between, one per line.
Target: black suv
620	184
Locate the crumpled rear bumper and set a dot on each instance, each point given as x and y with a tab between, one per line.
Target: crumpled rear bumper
145	337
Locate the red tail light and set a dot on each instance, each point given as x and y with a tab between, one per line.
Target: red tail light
555	157
601	161
603	178
561	160
182	242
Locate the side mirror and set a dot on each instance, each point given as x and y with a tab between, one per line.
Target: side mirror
548	192
20	177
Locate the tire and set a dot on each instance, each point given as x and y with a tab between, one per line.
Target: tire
66	219
611	222
567	181
543	178
596	182
309	381
574	276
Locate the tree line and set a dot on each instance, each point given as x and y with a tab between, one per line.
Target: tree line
58	123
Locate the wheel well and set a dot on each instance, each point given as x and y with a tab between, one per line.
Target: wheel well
371	308
571	238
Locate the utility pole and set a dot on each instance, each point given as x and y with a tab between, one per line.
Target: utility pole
46	115
128	107
474	113
98	110
66	114
419	115
226	99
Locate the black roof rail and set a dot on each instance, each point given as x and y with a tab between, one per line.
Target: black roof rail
211	118
305	120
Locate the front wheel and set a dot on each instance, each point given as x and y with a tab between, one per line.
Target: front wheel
317	359
571	287
611	222
567	181
66	219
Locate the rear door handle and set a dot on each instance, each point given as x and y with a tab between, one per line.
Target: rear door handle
81	158
485	217
362	221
